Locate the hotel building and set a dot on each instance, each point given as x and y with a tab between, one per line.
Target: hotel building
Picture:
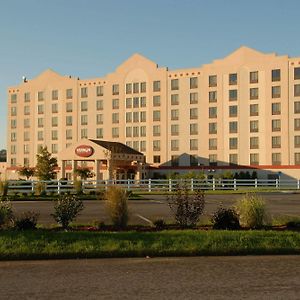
239	112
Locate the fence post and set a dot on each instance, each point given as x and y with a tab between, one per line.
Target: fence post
149	185
234	184
128	184
214	184
170	185
192	184
276	183
58	187
255	183
32	186
298	184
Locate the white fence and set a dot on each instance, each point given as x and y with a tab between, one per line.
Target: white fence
156	185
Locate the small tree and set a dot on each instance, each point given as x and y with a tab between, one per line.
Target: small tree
46	165
27	172
84	173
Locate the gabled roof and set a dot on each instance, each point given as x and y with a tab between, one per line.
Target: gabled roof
116	147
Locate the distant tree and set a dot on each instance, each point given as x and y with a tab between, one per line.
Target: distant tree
84	173
26	171
46	165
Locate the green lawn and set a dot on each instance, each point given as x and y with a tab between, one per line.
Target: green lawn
45	244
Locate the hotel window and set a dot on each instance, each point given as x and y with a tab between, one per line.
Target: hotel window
233	111
193	113
276	158
128	88
13	98
143	101
174	99
26	136
135	131
143	131
136	116
13	161
156	145
99	104
174	129
193	144
13	149
276	125
27	97
297	73
254	142
297	141
156	100
174	114
26	149
128	132
13	111
254	126
156	115
254	77
55	108
115	118
128	117
296	90
193	98
143	87
174	145
174	84
135	145
128	102
136	87
297	158
212	144
253	93
84	92
233	143
143	116
136	102
193	82
232	95
54	135
143	146
55	95
26	161
54	148
212	112
13	123
212	96
212	128
40	96
276	108
115	89
26	123
174	160
233	159
156	159
40	109
99	91
54	121
233	127
99	119
40	135
296	124
194	129
69	93
253	110
84	133
297	107
40	122
13	137
233	79
276	142
69	120
212	80
69	134
276	91
156	86
254	159
99	133
213	159
276	75
27	109
193	160
115	104
115	132
84	120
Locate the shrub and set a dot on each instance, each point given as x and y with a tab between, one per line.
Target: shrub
117	206
293	224
40	188
225	218
3	188
159	224
100	194
66	209
252	211
186	208
6	213
78	187
27	220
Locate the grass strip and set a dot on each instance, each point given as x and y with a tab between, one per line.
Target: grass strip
45	244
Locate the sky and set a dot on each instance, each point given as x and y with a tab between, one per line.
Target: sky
90	38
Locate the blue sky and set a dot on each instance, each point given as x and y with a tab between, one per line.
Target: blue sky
89	38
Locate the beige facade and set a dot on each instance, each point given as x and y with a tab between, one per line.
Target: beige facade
240	110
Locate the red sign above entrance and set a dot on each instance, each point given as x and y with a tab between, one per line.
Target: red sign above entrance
84	151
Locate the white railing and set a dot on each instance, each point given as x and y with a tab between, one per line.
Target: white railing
156	185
